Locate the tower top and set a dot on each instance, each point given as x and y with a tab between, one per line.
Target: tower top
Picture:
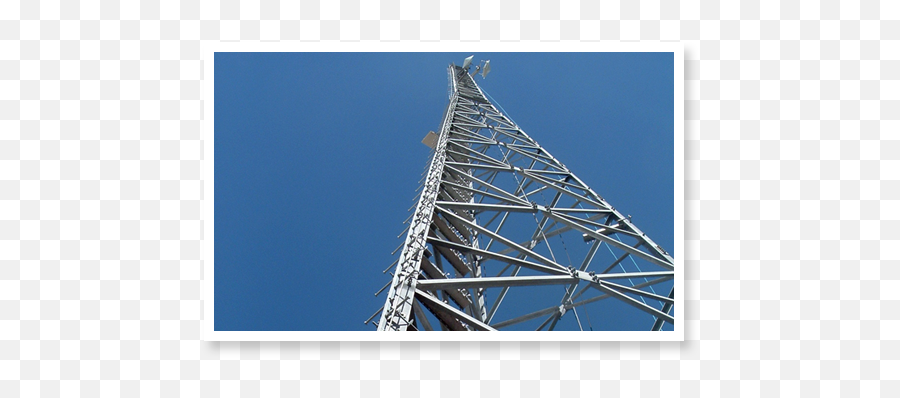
484	68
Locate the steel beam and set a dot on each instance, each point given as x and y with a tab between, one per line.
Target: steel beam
483	165
439	306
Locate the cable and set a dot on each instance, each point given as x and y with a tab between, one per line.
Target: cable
636	266
501	107
577	319
591	326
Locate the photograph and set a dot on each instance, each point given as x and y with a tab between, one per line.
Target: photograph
562	198
369	192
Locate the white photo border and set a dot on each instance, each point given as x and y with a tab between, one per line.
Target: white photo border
209	332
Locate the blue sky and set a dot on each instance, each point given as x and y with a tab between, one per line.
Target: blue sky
318	155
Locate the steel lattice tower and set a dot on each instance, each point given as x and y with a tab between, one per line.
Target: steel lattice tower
505	236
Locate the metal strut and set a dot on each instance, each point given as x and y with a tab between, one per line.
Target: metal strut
483	165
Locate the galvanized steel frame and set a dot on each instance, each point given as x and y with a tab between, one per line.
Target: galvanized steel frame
461	184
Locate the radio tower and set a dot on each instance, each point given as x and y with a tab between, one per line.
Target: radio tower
505	237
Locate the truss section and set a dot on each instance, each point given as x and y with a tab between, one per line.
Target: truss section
505	237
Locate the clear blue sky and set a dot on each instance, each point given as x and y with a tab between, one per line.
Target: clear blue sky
318	155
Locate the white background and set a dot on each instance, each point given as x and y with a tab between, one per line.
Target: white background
791	169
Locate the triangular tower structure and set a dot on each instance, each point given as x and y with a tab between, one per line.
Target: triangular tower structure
505	237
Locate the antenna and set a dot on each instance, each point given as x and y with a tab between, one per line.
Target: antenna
467	62
484	68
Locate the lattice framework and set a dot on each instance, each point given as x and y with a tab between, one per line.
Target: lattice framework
498	214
